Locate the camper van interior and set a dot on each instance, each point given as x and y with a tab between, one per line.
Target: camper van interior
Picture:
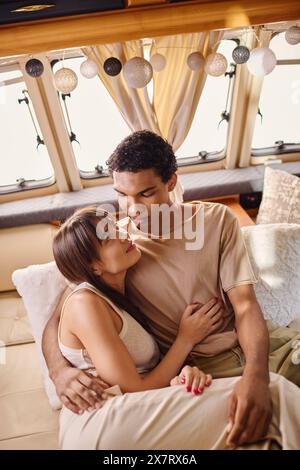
120	104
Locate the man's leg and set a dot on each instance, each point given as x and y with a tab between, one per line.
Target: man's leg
284	353
227	364
282	359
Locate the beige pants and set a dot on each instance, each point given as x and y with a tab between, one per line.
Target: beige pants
282	359
170	419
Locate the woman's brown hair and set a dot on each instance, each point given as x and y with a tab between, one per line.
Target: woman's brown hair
75	247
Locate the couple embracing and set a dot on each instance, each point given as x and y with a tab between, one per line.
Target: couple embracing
162	344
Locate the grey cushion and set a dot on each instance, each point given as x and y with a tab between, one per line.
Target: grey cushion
200	185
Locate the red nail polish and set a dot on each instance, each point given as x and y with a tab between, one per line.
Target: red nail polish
183	381
195	391
201	389
188	388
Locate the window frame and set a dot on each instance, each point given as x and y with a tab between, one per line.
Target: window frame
23	184
280	148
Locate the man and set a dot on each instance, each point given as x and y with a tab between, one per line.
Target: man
169	276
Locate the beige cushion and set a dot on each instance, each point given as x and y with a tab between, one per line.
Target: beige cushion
281	198
14	324
24	407
21	246
40	441
41	286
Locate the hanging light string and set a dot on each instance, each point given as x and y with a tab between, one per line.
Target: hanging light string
246	31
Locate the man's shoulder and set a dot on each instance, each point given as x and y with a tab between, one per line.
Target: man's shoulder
211	209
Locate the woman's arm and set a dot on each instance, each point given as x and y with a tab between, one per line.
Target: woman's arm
77	390
92	323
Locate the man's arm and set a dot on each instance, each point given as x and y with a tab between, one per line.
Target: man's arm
76	389
250	409
53	356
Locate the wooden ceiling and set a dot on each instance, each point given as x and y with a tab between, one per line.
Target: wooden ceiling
121	20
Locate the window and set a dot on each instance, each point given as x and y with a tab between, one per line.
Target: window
277	124
99	126
23	164
207	137
94	118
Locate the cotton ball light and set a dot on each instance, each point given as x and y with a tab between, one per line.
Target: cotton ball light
137	72
158	62
292	35
65	80
34	68
112	66
216	64
240	54
195	61
89	69
262	61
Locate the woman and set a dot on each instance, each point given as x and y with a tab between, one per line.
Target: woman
102	331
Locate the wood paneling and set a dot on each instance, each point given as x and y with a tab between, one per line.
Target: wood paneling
233	202
143	3
134	23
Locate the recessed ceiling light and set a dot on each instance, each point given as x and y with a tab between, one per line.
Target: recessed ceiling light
30	8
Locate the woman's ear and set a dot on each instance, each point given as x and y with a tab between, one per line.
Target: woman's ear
97	268
172	182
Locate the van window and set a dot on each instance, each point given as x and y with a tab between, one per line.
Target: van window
208	133
277	124
94	119
23	162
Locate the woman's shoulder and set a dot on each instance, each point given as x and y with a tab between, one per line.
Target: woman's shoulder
88	300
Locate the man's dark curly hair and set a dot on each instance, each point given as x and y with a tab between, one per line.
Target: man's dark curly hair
143	150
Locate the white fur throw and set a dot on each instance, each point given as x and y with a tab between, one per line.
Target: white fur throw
274	251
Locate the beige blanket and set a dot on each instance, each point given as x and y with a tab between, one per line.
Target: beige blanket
170	419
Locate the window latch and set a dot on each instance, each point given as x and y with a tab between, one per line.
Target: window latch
22	182
203	155
279	144
99	169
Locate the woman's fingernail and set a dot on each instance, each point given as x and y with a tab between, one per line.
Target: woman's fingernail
195	391
183	381
188	388
201	389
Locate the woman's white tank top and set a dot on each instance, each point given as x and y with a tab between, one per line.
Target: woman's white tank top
141	345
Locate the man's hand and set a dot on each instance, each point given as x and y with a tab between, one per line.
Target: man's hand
78	390
250	411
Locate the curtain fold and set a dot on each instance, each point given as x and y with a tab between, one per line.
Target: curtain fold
176	89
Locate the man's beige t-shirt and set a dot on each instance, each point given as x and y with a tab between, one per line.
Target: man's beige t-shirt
168	277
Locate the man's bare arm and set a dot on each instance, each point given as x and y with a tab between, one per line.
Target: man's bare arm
77	390
53	356
250	404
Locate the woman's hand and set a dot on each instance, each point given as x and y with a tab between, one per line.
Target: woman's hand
194	379
197	323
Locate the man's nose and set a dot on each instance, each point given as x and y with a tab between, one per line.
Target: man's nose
129	203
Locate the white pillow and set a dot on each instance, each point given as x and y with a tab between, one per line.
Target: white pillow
274	251
41	287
